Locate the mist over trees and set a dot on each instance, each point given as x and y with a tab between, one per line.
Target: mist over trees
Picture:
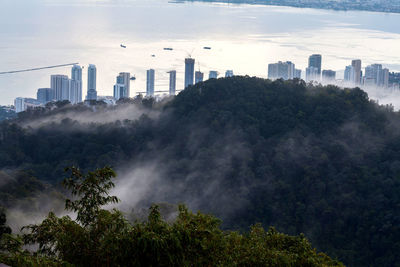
309	159
99	237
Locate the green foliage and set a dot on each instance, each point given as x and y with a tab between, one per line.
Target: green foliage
307	159
107	239
93	192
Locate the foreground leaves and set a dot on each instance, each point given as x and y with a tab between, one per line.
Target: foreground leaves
101	237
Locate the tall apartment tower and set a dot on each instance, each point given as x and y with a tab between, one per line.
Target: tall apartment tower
356	64
60	86
75	91
172	82
126	76
281	70
119	88
91	89
189	71
315	62
198	76
150	82
312	74
75	85
349	74
374	75
76	73
45	95
385	78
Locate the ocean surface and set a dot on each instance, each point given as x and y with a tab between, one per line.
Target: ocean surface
244	38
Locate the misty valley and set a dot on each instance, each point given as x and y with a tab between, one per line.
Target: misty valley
277	173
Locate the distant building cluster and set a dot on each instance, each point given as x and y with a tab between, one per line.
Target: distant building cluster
191	77
63	88
373	76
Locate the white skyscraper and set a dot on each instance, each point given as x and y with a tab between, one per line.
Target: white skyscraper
75	85
189	71
172	82
120	88
385	77
150	82
76	73
356	63
349	74
91	89
75	91
374	75
21	104
60	85
126	76
281	70
312	74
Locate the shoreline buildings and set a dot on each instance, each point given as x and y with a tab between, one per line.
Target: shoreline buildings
172	82
189	71
150	82
91	88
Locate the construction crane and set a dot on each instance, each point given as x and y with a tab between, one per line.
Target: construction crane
41	68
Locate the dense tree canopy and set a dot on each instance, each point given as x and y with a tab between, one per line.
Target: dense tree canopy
6	113
309	159
100	237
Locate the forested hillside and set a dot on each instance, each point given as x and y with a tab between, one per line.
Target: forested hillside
305	159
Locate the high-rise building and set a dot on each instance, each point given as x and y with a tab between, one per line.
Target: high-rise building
297	73
229	73
75	91
127	82
312	74
315	62
189	71
75	85
150	82
385	78
349	74
199	76
60	86
119	91
172	82
76	73
213	74
92	89
328	75
356	64
281	70
45	95
121	86
374	75
21	104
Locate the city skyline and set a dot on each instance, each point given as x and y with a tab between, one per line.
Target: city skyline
63	88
